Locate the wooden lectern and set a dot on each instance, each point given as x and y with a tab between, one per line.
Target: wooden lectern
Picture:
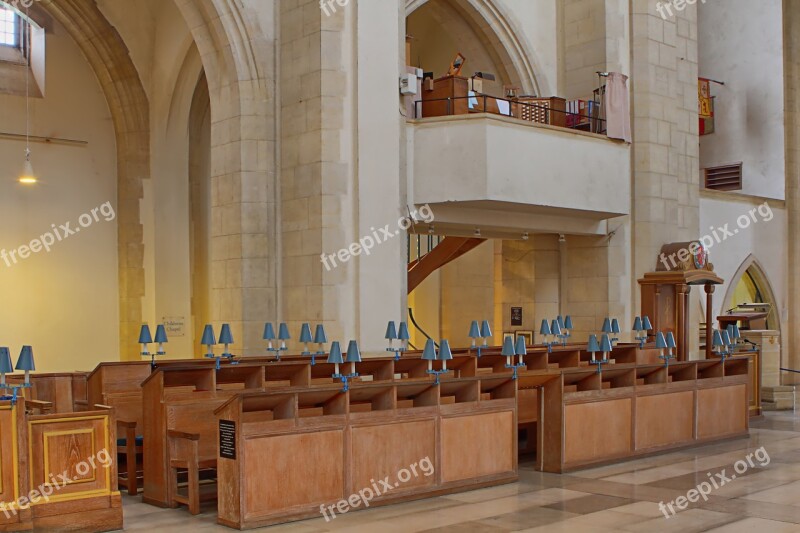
665	293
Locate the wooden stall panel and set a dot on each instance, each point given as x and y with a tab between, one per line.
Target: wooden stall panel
70	447
722	411
597	430
8	456
292	470
664	419
527	406
385	450
477	445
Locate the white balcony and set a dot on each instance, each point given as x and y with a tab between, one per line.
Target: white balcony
508	174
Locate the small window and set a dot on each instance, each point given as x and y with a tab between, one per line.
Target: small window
724	178
9	28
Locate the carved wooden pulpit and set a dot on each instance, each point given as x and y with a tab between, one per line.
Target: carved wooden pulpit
665	292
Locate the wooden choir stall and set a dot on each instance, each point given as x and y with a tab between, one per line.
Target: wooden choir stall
278	441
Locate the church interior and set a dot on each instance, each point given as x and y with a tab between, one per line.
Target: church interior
399	265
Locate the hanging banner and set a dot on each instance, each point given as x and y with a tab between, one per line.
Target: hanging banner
704	98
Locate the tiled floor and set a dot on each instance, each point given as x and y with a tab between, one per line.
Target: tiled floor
622	497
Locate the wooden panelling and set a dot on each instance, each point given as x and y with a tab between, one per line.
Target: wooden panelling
384	450
664	419
292	470
722	411
471	447
69	446
597	430
527	406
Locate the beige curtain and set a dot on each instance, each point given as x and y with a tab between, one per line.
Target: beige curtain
618	111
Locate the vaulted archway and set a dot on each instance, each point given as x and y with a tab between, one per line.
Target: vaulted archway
515	59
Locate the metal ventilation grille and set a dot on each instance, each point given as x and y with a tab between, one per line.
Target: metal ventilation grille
724	178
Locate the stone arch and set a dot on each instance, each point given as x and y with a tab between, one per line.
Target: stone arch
236	56
500	37
763	282
108	56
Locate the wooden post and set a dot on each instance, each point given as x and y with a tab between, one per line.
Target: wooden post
709	319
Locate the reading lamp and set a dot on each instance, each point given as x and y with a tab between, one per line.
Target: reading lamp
320	338
25	362
226	338
305	338
209	341
161	339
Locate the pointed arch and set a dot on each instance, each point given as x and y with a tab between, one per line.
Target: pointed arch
501	38
762	281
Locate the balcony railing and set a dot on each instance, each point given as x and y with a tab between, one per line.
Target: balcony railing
540	113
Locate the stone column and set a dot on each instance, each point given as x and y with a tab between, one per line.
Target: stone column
665	130
791	34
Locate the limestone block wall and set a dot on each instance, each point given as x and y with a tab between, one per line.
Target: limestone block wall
584	45
665	124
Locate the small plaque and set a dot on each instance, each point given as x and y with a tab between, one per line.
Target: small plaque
516	316
227	439
175	326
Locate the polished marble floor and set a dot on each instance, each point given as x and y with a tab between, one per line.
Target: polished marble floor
622	497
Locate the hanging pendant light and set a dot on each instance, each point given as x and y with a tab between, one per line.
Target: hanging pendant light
27	177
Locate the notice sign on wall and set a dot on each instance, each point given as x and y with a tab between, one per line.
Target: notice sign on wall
175	326
516	316
227	439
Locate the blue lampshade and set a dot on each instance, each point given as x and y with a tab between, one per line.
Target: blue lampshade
445	353
474	330
606	326
568	322
5	361
594	346
161	334
402	333
733	331
391	331
486	331
225	335
208	336
429	353
560	321
661	341
305	333
521	348
718	339
670	340
545	329
353	353
615	326
283	332
555	327
144	335
25	361
269	332
336	353
646	323
319	335
726	339
508	347
605	343
637	324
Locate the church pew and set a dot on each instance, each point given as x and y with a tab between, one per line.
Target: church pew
630	410
325	444
166	393
64	390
